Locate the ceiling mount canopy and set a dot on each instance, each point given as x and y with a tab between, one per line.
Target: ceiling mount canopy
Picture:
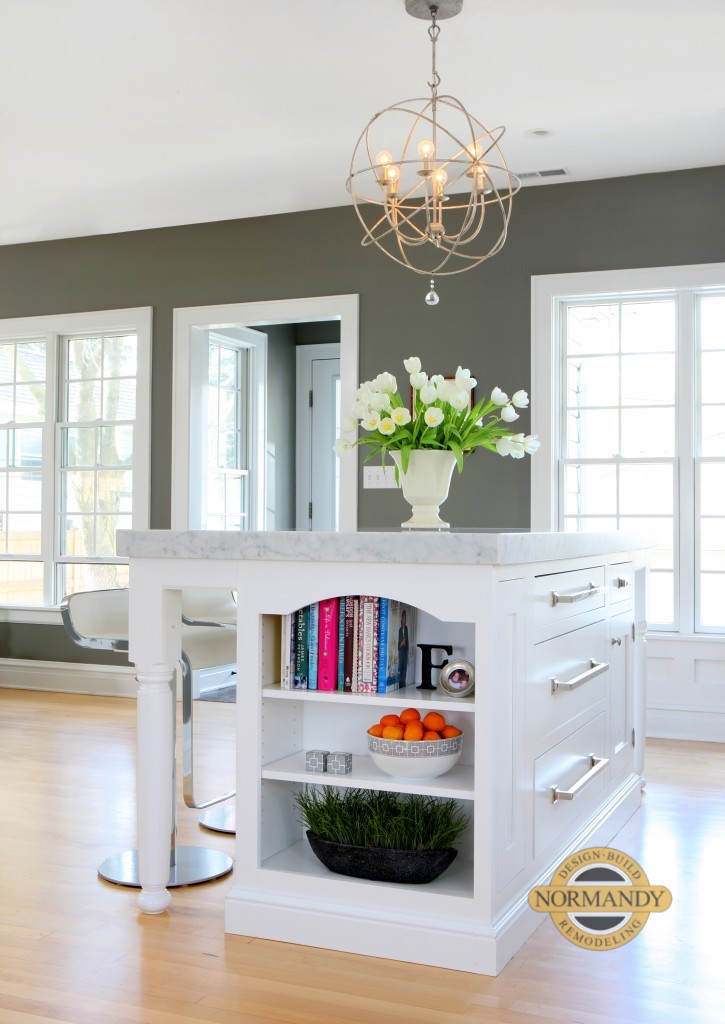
428	181
444	8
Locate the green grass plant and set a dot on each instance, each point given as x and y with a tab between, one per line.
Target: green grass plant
391	821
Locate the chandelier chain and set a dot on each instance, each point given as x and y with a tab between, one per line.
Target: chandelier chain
433	32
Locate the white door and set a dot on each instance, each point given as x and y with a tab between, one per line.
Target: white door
318	419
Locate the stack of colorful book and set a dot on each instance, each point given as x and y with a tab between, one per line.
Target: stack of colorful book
352	644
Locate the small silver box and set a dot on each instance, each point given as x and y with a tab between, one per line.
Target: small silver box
316	761
339	762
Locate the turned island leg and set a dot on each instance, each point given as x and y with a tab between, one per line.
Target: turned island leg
154	783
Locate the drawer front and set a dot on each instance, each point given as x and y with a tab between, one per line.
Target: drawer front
566	767
569	677
620	580
562	595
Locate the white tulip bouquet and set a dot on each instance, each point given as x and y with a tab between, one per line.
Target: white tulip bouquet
442	417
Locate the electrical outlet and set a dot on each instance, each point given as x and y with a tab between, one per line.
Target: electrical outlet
379	476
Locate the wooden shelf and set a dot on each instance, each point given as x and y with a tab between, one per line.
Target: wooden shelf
457	783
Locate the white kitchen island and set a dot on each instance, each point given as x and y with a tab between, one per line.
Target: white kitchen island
554	625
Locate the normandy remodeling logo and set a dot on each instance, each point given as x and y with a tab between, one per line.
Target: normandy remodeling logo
599	898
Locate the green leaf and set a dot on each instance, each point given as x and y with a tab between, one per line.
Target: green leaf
405	457
457	451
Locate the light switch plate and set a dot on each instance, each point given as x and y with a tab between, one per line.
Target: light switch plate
379	476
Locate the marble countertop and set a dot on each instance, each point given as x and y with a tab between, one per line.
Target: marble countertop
435	547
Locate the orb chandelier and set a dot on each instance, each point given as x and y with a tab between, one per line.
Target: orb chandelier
437	200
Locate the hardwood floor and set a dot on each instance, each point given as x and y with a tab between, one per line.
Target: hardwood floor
74	949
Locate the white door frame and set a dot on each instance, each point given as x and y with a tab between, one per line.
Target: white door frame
252	314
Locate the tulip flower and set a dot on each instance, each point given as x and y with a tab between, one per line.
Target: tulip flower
400	417
433	417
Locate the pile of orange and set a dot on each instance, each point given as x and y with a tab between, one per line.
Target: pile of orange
409	725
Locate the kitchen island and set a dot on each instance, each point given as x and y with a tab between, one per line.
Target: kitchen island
553	734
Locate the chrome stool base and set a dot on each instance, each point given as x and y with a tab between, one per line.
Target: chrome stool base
194	864
220	819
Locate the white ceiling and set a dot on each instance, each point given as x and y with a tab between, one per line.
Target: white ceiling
124	114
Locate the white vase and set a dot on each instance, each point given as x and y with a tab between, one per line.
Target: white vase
425	486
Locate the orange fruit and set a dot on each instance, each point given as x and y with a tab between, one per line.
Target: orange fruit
389	720
434	721
376	730
409	715
450	731
414	731
393	732
431	735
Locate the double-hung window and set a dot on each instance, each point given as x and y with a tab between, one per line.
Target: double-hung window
225	494
74	450
631	365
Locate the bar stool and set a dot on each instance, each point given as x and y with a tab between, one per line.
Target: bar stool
98	620
201	607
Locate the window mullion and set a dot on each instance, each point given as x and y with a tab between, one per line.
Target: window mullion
51	477
685	522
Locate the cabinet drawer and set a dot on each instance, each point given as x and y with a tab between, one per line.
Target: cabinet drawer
569	677
620	580
561	595
567	768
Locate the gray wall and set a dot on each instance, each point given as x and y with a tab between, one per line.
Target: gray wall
482	321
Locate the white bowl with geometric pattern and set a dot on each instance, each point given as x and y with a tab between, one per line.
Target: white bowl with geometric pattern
415	759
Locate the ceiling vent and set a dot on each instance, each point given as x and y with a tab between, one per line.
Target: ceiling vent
552	172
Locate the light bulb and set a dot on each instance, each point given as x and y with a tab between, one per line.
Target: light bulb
478	173
392	174
384	159
426	152
475	151
440	177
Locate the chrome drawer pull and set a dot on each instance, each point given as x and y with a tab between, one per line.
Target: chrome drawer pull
579	595
597	765
621	582
595	669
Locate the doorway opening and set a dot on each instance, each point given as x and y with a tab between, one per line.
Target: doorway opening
332	485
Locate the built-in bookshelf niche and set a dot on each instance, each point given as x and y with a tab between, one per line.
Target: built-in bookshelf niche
350	644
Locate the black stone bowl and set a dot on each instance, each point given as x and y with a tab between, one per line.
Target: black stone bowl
412	866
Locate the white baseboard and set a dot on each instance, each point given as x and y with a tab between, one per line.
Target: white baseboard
96	680
206	680
68	677
683	724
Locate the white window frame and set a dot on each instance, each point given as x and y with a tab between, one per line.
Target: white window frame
258	314
547	294
53	328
